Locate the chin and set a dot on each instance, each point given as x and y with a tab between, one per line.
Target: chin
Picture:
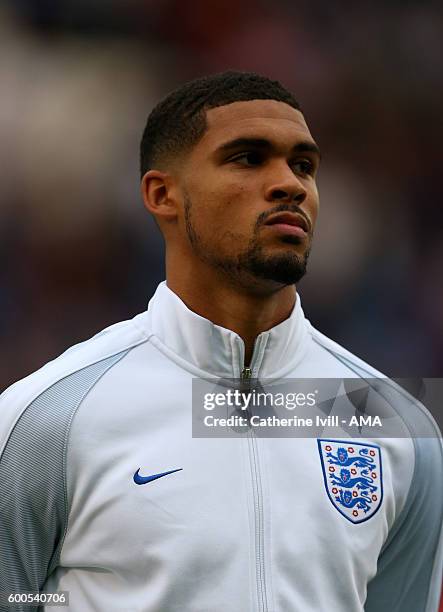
284	268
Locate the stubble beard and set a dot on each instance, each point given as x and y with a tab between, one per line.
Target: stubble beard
286	268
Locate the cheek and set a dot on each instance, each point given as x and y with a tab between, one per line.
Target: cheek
312	206
226	208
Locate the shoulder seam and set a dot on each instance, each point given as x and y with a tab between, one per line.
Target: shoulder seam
341	358
58	376
76	368
145	338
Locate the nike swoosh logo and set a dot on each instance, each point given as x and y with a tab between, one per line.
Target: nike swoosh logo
144	479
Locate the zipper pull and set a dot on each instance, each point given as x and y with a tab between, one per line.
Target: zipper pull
245	386
245	379
246	374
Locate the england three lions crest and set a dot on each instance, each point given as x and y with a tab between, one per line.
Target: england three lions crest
353	477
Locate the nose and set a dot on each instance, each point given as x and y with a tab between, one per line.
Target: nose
286	187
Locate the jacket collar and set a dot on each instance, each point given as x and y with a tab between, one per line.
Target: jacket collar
219	351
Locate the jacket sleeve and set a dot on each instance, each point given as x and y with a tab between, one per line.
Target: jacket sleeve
409	571
32	500
35	419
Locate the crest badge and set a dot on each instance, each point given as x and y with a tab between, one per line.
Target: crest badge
353	477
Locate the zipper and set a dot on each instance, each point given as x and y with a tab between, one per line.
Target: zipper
246	376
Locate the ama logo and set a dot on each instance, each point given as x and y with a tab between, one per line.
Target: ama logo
353	477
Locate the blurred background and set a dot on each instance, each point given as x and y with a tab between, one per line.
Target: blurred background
78	79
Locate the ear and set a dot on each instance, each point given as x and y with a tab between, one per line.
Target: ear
157	193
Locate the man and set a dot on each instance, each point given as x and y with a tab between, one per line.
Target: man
104	491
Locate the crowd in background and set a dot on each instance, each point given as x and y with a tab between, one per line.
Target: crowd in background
78	79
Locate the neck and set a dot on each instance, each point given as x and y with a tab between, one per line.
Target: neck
247	312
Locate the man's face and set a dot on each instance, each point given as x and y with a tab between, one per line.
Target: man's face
249	196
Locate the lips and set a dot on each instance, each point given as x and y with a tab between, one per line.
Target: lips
287	218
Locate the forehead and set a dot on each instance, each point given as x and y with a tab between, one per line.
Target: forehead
269	118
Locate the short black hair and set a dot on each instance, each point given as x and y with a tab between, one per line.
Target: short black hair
179	121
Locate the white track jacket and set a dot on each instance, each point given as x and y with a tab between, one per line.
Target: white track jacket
104	492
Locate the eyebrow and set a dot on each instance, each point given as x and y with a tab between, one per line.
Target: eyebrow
305	146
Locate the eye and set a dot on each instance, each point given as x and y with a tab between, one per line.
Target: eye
303	166
248	158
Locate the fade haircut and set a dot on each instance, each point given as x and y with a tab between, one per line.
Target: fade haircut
178	122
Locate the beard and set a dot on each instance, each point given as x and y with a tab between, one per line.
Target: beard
285	268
